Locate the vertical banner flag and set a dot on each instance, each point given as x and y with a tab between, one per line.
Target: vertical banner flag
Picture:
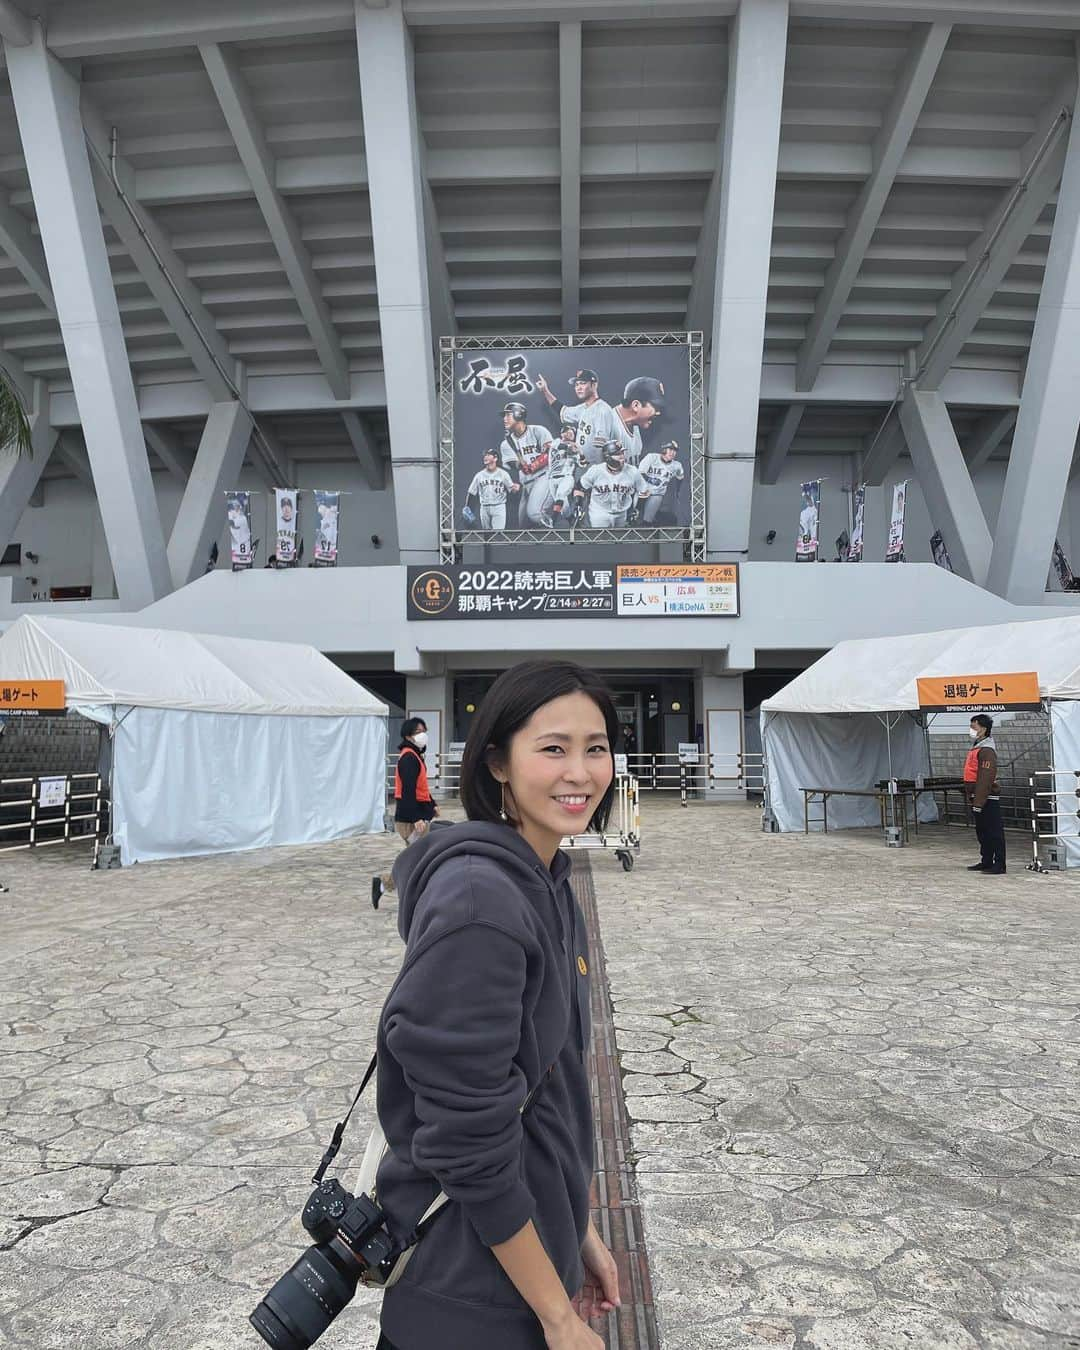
895	550
843	546
939	552
327	512
1061	567
806	543
240	529
286	500
859	502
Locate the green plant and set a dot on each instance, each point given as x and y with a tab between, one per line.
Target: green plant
14	423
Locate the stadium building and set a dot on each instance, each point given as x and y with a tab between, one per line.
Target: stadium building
249	245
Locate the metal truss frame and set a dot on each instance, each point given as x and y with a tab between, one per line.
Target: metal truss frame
692	537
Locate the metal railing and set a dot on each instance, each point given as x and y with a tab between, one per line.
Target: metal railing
1048	790
70	808
714	776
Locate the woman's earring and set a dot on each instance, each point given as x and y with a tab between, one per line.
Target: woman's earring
502	809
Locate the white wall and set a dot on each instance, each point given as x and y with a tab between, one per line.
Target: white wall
67	535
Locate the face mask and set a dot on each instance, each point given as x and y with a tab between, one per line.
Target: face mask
420	740
973	733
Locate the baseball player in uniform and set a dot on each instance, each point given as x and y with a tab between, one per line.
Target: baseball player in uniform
593	420
492	485
564	461
527	448
598	422
614	487
659	471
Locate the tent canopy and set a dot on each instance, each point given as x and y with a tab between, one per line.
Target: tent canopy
879	674
106	664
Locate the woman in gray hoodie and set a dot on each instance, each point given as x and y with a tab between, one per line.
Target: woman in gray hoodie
492	1004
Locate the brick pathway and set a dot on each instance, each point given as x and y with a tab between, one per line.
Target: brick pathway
616	1211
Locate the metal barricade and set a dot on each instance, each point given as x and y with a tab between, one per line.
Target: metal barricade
31	817
1047	788
623	833
714	777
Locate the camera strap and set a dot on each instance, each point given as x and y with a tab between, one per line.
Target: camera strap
339	1129
334	1146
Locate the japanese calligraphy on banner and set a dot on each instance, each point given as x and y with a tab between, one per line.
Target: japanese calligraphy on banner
855	551
806	541
327	515
239	507
1015	692
32	698
894	551
287	503
620	592
549	437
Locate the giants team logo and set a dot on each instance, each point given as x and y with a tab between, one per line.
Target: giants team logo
432	592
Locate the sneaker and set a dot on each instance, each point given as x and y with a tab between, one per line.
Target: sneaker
376	891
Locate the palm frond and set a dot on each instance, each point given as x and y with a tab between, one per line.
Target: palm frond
14	422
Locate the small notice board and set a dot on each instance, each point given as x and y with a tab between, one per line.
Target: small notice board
1015	692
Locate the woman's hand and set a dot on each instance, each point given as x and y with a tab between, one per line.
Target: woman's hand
571	1333
601	1273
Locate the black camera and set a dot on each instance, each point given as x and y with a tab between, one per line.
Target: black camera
351	1243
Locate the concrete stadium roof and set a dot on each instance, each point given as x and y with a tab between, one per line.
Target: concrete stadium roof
207	136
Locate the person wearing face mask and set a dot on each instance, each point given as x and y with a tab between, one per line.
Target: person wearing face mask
414	807
980	782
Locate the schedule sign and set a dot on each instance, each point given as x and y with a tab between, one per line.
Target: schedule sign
646	592
619	592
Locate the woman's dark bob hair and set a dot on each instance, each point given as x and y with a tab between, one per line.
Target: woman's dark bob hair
410	727
507	706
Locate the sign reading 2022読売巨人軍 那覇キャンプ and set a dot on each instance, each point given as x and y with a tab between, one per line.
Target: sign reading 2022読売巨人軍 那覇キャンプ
594	436
581	591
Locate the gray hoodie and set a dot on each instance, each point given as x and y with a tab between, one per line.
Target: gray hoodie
493	991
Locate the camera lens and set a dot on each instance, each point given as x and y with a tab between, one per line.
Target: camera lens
303	1303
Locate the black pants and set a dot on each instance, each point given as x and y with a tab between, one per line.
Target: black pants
991	835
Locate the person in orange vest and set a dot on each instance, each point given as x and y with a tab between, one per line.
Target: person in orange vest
414	807
984	794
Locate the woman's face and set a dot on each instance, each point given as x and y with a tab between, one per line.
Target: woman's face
557	772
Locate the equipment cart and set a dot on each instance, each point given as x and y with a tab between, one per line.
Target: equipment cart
623	834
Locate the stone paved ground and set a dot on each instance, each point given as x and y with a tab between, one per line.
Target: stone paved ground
853	1074
854	1080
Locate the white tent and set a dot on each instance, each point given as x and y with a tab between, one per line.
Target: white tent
828	727
218	743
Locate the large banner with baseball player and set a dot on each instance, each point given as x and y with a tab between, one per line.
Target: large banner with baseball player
548	436
894	550
287	509
327	516
240	545
808	536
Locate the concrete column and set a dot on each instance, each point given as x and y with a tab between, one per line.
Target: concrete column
20	474
47	107
1046	429
751	145
391	148
431	697
216	469
103	583
946	483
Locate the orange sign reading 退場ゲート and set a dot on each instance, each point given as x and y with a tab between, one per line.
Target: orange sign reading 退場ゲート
980	693
32	698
